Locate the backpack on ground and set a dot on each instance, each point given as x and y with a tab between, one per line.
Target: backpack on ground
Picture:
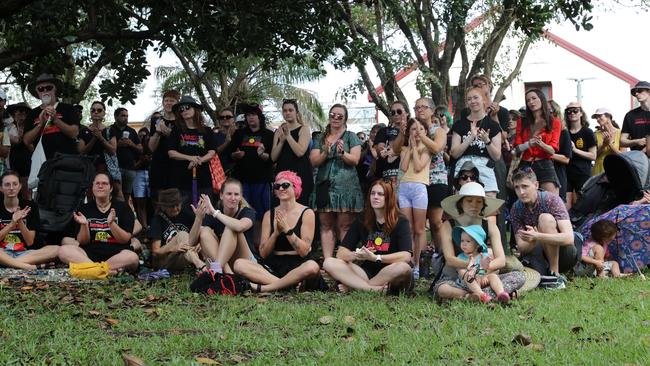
215	283
62	185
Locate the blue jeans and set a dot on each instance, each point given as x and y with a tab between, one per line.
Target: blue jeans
258	196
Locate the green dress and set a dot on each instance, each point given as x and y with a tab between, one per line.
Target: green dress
344	190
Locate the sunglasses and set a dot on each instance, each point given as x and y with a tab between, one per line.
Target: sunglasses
396	112
336	116
223	118
96	110
293	101
277	186
184	107
572	110
45	88
468	177
637	91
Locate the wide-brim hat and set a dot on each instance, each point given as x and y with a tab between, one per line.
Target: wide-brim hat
475	231
640	85
251	109
168	198
532	279
45	78
18	106
470	189
601	111
187	100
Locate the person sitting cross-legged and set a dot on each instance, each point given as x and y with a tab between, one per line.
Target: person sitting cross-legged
286	243
103	232
18	228
543	232
381	262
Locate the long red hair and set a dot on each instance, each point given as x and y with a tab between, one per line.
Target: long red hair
390	208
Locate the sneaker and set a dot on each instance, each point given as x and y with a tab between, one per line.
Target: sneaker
416	273
552	282
503	298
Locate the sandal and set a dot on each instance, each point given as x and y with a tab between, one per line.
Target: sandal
256	287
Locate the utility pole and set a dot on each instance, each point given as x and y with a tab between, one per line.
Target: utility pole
579	87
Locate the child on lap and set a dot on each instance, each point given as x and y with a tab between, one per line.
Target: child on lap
471	240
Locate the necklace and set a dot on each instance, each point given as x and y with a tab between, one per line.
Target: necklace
103	208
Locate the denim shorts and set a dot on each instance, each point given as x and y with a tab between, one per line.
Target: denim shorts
15	253
413	195
141	184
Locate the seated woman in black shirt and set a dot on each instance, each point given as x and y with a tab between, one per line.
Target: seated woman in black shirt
380	244
286	244
225	233
19	221
104	231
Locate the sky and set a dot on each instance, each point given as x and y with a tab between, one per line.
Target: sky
619	37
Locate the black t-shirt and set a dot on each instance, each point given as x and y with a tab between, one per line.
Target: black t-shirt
218	227
163	231
251	168
637	124
53	139
98	148
584	139
14	239
191	142
126	156
503	115
388	170
100	232
477	147
224	156
160	161
397	241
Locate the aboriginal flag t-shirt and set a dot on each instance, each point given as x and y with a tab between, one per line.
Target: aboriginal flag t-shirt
252	168
100	232
14	239
377	240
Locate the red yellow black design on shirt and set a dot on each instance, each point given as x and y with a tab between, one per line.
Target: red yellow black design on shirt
251	141
378	241
13	240
192	140
100	231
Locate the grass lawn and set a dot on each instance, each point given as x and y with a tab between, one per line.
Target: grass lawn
592	322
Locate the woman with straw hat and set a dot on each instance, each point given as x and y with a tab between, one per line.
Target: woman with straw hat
471	207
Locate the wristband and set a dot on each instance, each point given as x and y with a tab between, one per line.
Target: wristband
214	213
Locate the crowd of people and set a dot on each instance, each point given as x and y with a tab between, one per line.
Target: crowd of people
467	179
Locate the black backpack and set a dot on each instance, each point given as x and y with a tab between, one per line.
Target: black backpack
62	185
214	283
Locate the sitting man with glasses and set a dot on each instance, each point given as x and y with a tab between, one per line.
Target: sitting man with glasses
637	121
57	123
543	232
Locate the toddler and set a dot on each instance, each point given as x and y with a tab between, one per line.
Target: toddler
476	276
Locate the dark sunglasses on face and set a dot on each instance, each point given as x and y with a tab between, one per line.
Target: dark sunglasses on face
637	91
572	110
336	116
96	110
396	111
45	88
184	107
285	101
284	185
225	117
468	177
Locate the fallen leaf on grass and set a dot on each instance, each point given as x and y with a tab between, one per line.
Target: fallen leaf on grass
94	313
522	339
27	288
348	338
576	329
349	320
469	359
207	361
536	347
326	319
130	360
645	323
111	321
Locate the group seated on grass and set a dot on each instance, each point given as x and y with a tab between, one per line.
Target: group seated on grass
375	254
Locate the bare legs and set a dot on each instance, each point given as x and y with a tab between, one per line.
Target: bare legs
417	218
30	260
435	223
398	275
259	275
124	260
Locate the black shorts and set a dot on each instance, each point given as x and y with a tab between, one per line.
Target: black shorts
568	257
575	181
280	265
436	193
544	170
102	252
